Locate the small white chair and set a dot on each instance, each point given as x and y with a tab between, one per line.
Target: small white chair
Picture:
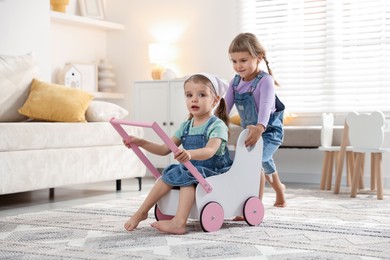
328	149
331	153
366	134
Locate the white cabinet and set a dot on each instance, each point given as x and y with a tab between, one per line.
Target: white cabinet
162	102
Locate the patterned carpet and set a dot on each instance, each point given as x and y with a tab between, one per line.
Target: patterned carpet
314	225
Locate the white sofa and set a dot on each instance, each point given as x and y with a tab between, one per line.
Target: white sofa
38	155
295	136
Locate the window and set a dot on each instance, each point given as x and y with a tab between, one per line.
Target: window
328	55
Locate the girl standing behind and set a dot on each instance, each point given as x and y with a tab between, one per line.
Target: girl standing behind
204	138
252	92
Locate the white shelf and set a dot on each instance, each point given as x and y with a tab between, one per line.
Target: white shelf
70	19
108	95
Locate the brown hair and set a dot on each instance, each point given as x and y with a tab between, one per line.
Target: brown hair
248	42
221	110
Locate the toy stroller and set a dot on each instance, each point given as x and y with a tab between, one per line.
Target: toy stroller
233	193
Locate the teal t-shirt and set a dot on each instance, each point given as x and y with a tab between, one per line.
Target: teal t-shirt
218	129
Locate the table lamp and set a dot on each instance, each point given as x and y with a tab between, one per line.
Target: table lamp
160	54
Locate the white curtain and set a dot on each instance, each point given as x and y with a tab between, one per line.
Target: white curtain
328	55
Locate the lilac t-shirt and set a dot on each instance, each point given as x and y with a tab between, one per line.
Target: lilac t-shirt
264	95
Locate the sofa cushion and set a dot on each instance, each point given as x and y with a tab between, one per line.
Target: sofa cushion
18	136
288	119
302	137
100	111
57	103
16	74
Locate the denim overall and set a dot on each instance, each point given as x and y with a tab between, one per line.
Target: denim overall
273	135
178	174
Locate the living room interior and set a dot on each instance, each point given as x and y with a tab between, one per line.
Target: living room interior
151	46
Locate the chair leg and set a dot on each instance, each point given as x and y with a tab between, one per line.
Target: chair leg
373	171
350	161
324	170
338	179
361	177
329	171
378	175
358	171
341	158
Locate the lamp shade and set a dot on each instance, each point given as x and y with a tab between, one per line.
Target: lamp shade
161	53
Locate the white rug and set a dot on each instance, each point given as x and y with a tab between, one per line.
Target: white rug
314	225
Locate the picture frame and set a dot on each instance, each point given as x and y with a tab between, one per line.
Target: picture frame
92	8
89	76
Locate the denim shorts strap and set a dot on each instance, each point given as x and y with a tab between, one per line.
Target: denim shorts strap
187	127
256	81
236	81
211	121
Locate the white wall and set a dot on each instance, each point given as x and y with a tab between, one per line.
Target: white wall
24	27
74	44
207	29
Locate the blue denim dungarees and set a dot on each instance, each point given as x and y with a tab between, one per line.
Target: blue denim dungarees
178	174
273	135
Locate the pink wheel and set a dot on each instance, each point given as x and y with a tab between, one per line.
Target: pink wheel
159	215
211	217
253	211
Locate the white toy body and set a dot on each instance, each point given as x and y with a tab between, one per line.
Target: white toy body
230	189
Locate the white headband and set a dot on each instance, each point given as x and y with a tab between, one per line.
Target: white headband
219	85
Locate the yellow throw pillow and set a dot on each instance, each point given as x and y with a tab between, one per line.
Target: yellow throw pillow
235	119
57	103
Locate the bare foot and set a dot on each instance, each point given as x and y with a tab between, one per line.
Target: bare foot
133	222
280	200
170	226
238	218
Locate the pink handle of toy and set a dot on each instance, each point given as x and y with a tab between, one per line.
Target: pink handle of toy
116	123
135	148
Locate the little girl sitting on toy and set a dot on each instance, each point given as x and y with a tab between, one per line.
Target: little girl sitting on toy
204	138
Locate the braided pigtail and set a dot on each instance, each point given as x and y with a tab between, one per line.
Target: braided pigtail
270	71
221	112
